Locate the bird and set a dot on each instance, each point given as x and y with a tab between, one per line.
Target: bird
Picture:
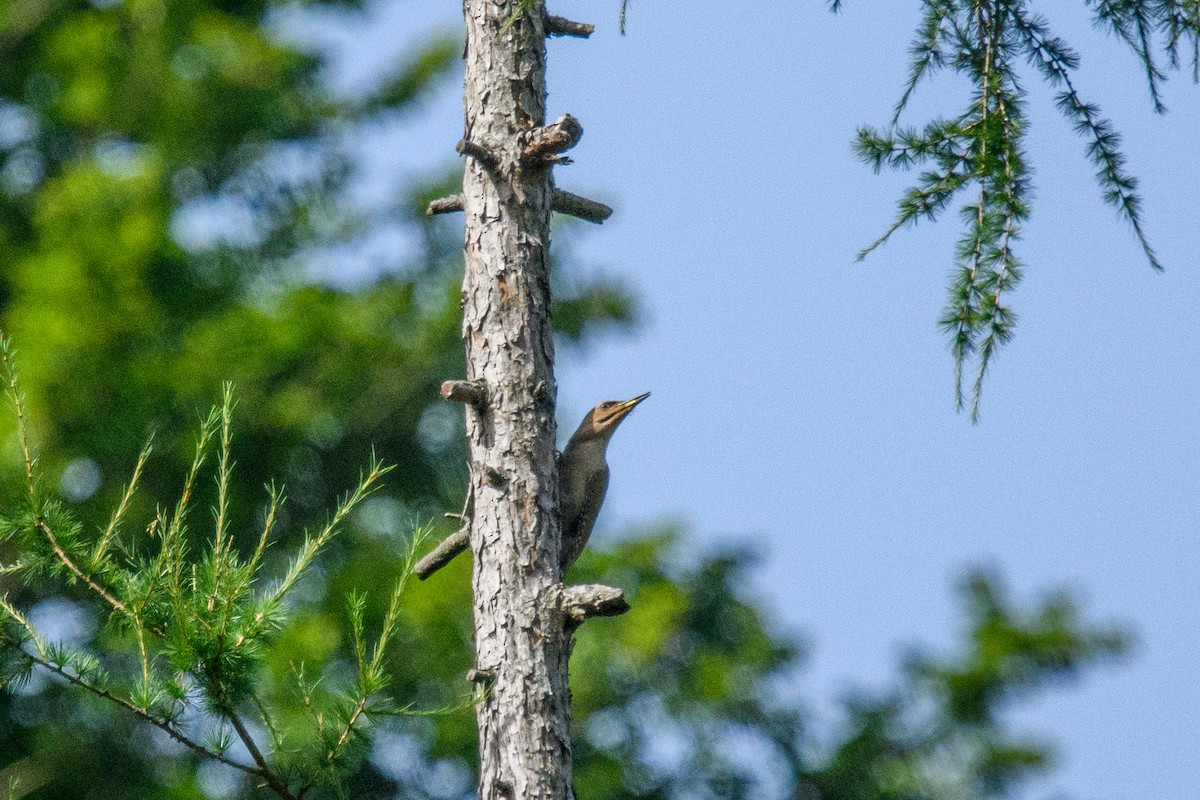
583	474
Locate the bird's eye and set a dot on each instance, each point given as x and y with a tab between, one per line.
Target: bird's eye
606	405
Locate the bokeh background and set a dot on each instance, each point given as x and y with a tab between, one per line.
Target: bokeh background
199	191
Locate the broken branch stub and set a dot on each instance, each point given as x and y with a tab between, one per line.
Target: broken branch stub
561	26
478	152
543	145
581	603
470	392
564	202
443	554
445	205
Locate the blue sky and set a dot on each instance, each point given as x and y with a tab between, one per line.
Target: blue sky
804	402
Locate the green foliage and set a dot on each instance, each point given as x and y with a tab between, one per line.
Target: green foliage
695	675
124	319
939	734
205	623
982	149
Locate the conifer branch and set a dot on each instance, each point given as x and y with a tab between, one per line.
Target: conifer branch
277	499
926	200
123	506
143	655
264	770
40	657
314	544
212	627
85	578
983	148
926	54
1182	22
224	469
1120	188
1129	22
173	547
371	676
7	355
145	716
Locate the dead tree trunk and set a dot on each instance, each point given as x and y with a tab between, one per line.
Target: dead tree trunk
520	643
524	617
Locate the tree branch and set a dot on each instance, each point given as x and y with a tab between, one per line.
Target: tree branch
581	603
470	392
562	201
478	152
264	770
566	203
444	553
445	205
359	708
116	604
542	146
561	26
144	715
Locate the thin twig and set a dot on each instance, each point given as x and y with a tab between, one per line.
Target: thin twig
277	500
143	714
123	506
359	708
80	574
315	544
264	770
142	654
223	472
267	721
22	425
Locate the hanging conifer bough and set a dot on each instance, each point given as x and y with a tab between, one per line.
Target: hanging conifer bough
524	615
981	152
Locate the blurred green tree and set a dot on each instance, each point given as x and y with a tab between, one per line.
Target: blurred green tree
168	171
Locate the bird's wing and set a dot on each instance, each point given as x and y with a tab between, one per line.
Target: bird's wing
577	531
596	489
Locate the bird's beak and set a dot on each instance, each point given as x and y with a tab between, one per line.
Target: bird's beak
624	408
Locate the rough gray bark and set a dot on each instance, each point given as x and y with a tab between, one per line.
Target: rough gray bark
521	637
524	616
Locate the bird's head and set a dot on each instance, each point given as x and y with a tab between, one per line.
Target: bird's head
602	420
